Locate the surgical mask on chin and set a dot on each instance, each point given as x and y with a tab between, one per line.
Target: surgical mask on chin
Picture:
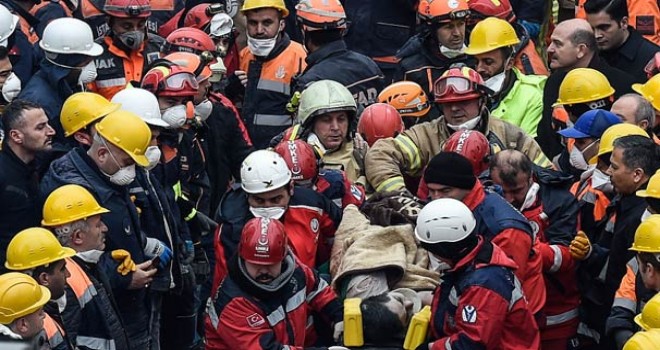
496	82
468	125
576	159
133	39
261	47
268	213
204	109
530	197
647	214
451	53
153	154
175	116
599	179
87	74
11	87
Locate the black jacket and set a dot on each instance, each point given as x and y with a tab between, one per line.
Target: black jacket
19	190
559	205
632	56
547	137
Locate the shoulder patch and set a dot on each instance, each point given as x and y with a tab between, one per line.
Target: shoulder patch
469	314
255	320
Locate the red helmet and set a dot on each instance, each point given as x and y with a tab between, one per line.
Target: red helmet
170	80
190	40
263	242
127	8
480	9
200	15
472	145
300	158
378	121
458	84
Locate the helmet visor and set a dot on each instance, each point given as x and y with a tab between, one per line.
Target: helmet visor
178	82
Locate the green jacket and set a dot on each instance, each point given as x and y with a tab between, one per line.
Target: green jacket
523	105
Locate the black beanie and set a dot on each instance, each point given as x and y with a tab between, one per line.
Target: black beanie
450	169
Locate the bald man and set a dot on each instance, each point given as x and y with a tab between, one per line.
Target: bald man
573	46
634	109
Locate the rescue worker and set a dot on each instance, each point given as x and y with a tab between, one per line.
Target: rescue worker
10	84
526	58
439	44
127	48
409	99
649	91
327	119
46	11
267	191
636	110
450	175
517	98
480	281
573	45
618	42
378	29
27	134
302	161
323	24
67	66
633	160
80	112
37	253
267	67
188	40
463	98
27	22
643	340
22	54
21	308
542	196
379	121
266	270
644	16
106	170
647	319
74	216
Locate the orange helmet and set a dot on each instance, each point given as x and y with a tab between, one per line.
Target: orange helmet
190	40
301	160
200	16
263	242
438	11
458	84
379	121
127	8
480	9
190	63
320	15
407	97
472	145
170	80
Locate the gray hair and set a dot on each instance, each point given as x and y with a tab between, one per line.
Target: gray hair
644	110
64	232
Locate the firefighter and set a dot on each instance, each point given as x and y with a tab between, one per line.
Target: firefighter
21	307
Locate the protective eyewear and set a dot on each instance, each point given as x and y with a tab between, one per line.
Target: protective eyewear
459	85
214	9
178	82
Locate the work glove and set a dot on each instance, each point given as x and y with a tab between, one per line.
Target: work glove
338	331
580	247
187	252
200	264
155	248
205	223
406	205
126	264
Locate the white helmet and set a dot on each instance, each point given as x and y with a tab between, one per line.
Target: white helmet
141	102
264	171
221	24
69	36
444	220
8	24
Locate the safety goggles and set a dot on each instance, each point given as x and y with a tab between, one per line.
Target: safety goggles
454	15
457	85
179	81
418	107
214	9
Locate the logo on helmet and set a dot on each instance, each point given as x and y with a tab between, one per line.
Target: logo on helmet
452	4
293	150
268	183
262	243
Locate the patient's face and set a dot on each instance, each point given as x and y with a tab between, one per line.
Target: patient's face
400	306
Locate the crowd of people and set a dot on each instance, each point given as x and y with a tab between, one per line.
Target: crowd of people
326	174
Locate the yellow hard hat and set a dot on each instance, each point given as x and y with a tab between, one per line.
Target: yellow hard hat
83	108
652	189
20	295
70	203
647	236
490	34
260	4
650	91
582	85
650	316
611	134
34	247
644	341
128	132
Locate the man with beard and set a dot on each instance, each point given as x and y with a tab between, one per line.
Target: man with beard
27	133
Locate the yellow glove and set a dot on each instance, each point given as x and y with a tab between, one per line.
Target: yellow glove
126	264
580	246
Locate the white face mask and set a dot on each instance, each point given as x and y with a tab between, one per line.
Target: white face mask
11	87
153	154
599	179
262	47
496	82
647	214
268	213
468	125
451	53
87	73
204	109
175	116
576	159
530	197
125	175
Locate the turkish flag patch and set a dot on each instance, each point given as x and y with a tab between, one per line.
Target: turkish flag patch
255	320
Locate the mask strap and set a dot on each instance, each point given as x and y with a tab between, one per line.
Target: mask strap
109	151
